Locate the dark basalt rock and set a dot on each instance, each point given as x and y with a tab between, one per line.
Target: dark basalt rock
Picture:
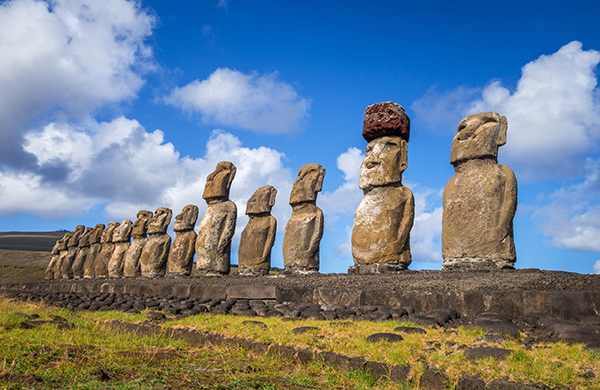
408	329
389	337
484	352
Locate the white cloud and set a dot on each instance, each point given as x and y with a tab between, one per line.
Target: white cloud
346	198
553	114
425	236
597	267
67	57
572	216
249	101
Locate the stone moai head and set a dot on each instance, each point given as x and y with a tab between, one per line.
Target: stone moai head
62	243
74	239
186	219
141	223
96	234
218	182
479	136
308	183
386	128
160	222
84	239
123	232
262	201
107	234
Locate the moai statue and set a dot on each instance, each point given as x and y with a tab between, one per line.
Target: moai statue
385	216
153	261
49	273
89	267
480	200
131	266
121	239
62	255
213	245
82	251
304	230
258	237
66	267
181	255
108	247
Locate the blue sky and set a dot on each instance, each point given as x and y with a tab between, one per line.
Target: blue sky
110	107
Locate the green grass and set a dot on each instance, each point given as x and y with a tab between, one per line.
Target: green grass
73	358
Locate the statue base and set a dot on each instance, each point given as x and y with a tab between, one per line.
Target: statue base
376	268
466	263
299	271
252	271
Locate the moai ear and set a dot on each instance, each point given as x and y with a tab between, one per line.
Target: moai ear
501	140
272	197
403	155
321	175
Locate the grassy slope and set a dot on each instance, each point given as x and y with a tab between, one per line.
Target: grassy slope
29	241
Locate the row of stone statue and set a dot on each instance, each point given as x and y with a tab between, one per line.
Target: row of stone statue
479	204
108	252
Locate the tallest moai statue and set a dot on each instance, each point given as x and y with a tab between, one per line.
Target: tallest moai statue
385	216
480	200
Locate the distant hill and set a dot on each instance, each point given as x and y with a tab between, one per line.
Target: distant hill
29	241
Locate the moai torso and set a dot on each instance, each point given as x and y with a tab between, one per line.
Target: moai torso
106	250
89	266
121	238
83	248
153	261
304	230
213	245
131	267
66	267
480	200
181	254
62	255
385	216
55	255
258	237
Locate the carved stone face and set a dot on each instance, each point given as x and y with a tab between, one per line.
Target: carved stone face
186	219
107	234
62	243
307	184
160	221
123	232
140	224
219	182
84	240
74	239
261	201
385	161
96	234
479	136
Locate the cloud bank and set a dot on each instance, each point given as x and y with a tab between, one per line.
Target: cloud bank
246	101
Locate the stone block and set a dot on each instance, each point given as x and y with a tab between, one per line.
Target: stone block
572	305
509	303
324	296
181	290
208	291
165	290
107	288
251	292
537	302
294	294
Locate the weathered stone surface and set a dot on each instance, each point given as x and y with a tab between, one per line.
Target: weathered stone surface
62	255
106	250
83	248
251	291
153	261
181	255
466	382
484	352
480	200
258	237
304	230
121	238
54	260
385	216
89	270
213	244
385	119
389	337
131	267
66	267
432	379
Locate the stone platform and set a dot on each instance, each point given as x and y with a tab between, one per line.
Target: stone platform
511	292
